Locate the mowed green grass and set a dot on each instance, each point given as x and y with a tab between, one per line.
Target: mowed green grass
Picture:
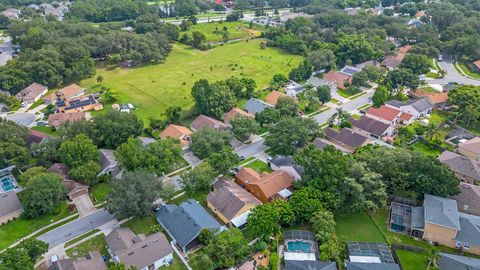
153	88
214	30
357	227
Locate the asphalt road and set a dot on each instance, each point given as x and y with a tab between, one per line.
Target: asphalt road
6	51
75	228
452	74
348	106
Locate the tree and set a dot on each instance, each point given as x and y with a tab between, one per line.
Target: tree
417	63
100	78
322	59
227	249
120	266
86	173
373	73
289	133
355	48
243	127
401	77
380	96
302	72
241	87
263	221
111	94
172	114
278	80
212	99
35	248
140	187
223	160
331	250
286	216
433	256
360	79
340	118
198	179
168	192
324	93
323	225
307	201
114	128
185	25
27	175
78	151
198	39
43	194
287	107
267	117
207	141
16	259
465	101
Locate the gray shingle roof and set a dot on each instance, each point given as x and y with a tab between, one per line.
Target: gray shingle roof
441	211
255	106
287	161
457	262
470	232
184	222
372	266
418	217
421	104
9	203
461	164
310	265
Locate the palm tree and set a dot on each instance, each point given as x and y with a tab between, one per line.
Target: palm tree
338	117
432	256
431	131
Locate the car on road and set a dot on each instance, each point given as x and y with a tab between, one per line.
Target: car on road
362	111
440	58
42	123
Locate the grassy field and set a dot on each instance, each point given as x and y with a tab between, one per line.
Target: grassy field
357	227
214	30
153	88
14	230
46	130
259	166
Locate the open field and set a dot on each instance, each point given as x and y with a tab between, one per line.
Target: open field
214	30
153	88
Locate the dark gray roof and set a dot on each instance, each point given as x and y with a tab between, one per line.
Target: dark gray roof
396	103
441	211
457	262
346	136
255	106
185	221
420	104
310	265
372	266
350	70
279	160
93	261
9	203
370	125
470	230
461	164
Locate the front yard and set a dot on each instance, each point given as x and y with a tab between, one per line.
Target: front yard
97	243
259	166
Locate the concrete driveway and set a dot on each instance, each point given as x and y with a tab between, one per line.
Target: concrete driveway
23	119
84	205
6	51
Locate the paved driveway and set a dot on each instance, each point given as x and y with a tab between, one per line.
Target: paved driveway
75	228
84	205
6	51
23	119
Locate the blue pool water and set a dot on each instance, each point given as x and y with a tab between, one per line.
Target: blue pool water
7	185
300	246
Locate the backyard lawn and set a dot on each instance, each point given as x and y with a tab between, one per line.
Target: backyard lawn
46	130
153	88
425	149
259	166
214	30
357	227
411	260
14	230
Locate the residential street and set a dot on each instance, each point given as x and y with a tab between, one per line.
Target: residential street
348	106
75	228
6	51
452	74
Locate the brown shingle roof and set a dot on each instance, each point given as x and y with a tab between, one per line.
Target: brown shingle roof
273	97
433	97
461	164
9	203
468	200
177	132
370	125
36	137
395	60
71	185
235	112
270	184
384	112
230	199
70	91
59	119
204	121
31	92
346	137
337	78
472	145
477	64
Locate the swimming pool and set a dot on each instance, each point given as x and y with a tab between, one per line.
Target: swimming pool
7	185
302	246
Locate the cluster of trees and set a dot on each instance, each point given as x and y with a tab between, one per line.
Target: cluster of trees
465	101
55	53
108	10
81	156
23	256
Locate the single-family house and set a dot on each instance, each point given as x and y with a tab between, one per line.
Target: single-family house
140	251
109	164
286	163
384	114
393	61
178	132
184	222
272	97
234	113
350	70
456	262
93	261
476	64
338	79
468	201
321	143
465	168
419	108
347	138
80	104
8	181
310	265
10	207
74	189
57	120
231	203
439	100
255	106
12	13
32	93
36	137
69	92
371	127
50	98
265	186
470	148
204	121
292	90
